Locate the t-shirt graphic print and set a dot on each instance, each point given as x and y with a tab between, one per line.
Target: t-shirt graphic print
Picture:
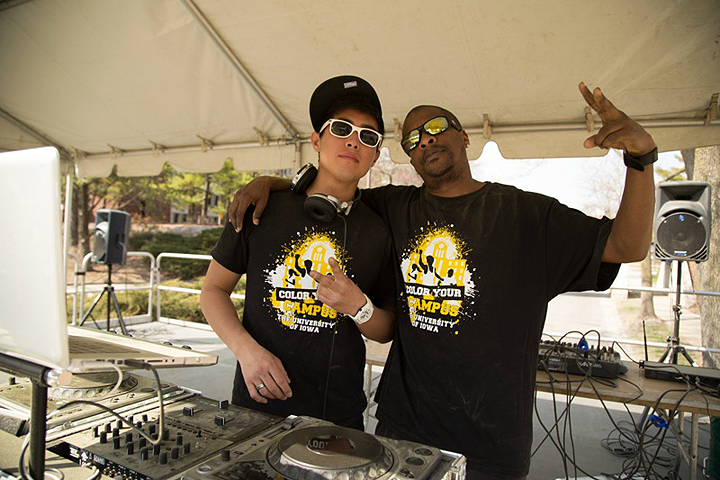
438	279
292	291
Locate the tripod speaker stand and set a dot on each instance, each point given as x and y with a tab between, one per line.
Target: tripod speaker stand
682	233
674	349
111	298
112	229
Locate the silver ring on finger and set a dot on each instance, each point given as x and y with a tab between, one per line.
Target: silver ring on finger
260	386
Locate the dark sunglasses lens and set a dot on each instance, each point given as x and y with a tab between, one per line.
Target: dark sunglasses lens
340	129
369	137
411	140
436	125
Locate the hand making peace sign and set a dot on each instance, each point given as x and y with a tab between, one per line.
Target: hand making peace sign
618	130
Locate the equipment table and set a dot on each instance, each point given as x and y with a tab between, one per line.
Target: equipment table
631	388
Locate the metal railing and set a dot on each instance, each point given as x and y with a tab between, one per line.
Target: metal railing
79	294
155	285
160	287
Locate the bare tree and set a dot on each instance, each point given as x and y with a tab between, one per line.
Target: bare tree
647	307
707	169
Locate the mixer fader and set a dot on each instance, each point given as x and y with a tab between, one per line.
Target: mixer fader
194	428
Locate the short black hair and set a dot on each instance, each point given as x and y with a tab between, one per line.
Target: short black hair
359	103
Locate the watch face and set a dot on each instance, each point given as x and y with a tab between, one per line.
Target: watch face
365	312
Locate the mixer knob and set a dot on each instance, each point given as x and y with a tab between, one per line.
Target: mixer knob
225	455
116	432
174	453
142	442
96	431
179	439
153	429
119	424
116	443
188	411
220	421
156	449
108	427
128	437
166	434
103	437
144	454
186	448
130	448
223	404
144	417
163	458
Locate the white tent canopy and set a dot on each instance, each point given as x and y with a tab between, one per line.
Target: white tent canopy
137	83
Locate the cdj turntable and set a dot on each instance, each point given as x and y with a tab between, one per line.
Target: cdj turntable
311	449
134	392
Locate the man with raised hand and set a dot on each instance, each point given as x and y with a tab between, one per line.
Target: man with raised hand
479	262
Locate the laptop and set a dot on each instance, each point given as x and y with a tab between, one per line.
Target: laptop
33	318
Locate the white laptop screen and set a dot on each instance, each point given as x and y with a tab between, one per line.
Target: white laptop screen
33	319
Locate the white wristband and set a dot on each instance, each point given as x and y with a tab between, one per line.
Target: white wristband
365	312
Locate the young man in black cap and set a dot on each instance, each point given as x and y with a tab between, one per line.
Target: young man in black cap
479	262
319	274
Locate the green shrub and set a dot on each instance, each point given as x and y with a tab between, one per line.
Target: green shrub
178	272
178	305
186	306
164	242
137	241
131	302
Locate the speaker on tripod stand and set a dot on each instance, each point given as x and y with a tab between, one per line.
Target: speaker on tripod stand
112	231
683	221
682	233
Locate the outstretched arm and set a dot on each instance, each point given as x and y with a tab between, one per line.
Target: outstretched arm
631	233
259	366
254	193
340	293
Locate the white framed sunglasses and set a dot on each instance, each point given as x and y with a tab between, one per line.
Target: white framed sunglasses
342	129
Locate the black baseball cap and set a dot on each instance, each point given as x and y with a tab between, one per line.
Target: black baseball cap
331	90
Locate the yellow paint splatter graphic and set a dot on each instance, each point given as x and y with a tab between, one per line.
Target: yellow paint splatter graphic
292	289
438	280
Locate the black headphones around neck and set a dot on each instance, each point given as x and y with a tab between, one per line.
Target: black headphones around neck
321	207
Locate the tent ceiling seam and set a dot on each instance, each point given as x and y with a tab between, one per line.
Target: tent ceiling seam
235	61
712	109
38	135
492	129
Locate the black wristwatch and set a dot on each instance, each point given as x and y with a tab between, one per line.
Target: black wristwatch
638	162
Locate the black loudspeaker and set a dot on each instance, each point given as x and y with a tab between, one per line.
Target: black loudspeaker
682	221
320	207
112	230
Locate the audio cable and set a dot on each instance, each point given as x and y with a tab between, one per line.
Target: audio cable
57	475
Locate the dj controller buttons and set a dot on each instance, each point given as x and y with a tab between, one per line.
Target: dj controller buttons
425	452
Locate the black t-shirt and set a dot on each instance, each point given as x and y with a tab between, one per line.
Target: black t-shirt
282	314
477	273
